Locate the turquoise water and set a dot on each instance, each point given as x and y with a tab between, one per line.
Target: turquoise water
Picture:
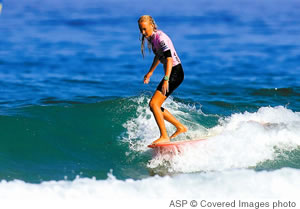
73	103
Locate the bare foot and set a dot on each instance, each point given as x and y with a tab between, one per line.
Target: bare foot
161	140
179	130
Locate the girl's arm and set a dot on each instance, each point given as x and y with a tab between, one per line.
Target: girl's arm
168	69
152	68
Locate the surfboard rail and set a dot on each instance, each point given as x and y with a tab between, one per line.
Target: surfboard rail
174	143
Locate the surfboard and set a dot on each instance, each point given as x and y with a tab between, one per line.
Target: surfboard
174	143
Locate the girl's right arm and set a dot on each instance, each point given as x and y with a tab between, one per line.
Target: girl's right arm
152	68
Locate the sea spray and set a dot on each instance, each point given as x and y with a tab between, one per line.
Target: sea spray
244	141
142	129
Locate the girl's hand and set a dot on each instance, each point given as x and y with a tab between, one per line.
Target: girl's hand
147	78
165	87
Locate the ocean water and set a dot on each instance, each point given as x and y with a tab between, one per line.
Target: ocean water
74	115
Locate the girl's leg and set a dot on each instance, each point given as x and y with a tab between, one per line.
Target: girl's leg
170	118
155	104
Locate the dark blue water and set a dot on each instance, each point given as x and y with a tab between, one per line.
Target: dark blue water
71	76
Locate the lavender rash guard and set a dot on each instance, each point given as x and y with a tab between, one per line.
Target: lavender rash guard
160	43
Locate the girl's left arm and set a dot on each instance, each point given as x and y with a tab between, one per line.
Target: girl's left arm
168	69
168	66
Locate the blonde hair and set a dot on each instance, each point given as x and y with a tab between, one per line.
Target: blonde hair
145	18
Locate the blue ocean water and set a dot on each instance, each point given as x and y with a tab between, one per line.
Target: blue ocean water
73	103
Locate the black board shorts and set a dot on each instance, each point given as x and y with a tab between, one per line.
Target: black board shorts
175	79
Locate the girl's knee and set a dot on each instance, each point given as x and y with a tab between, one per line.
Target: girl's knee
153	104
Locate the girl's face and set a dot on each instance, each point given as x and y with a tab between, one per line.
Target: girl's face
146	28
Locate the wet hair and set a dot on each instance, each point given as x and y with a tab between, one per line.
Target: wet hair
145	18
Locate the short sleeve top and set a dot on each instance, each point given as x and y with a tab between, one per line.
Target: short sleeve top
161	43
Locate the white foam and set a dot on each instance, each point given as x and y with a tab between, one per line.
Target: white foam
245	140
241	140
142	129
235	184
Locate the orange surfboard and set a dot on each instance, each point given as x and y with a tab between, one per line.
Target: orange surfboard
174	143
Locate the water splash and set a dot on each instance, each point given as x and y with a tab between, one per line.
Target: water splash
244	140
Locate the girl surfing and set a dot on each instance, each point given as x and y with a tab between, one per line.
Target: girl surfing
165	53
